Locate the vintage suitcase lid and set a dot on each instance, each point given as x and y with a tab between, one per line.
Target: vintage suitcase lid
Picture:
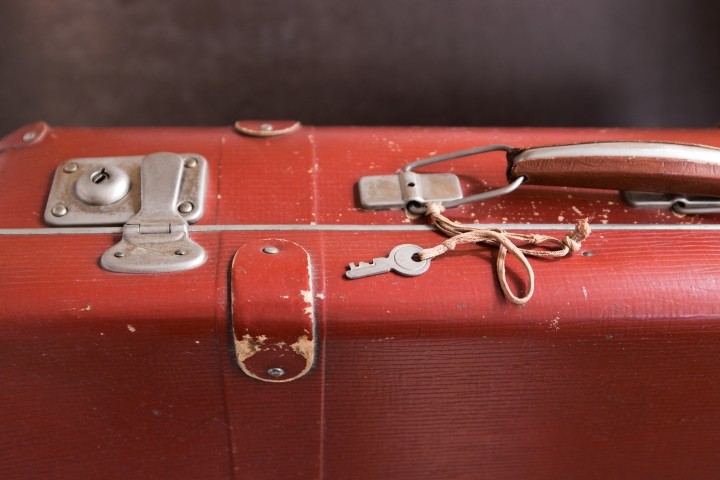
440	362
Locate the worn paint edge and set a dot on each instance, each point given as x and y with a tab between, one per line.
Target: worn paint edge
249	346
358	228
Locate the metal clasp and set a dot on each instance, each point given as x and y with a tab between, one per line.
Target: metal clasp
680	203
156	239
413	191
153	196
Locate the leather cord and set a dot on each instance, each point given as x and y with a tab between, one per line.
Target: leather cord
515	243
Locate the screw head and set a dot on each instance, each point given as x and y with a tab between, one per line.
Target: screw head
29	136
266	127
180	252
191	162
271	250
276	372
119	254
70	168
186	207
59	210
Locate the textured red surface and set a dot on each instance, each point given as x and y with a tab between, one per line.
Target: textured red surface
273	309
609	372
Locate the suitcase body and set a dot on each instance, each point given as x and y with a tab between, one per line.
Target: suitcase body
610	371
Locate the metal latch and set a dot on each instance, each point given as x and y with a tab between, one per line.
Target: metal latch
680	203
154	196
413	191
633	166
379	192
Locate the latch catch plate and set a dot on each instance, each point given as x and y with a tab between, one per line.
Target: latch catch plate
381	192
681	203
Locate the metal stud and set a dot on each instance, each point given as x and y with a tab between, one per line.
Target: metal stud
271	250
59	210
29	136
180	252
70	168
276	372
119	254
186	207
266	127
191	162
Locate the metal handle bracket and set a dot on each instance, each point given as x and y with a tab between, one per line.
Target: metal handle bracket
412	190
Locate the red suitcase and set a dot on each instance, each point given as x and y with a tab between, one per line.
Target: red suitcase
238	348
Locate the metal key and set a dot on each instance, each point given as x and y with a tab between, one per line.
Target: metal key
400	260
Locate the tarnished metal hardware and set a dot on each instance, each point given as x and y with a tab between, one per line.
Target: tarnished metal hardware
662	167
413	191
106	190
156	239
684	204
154	197
380	192
103	187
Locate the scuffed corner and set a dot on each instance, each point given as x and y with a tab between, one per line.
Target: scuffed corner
308	298
248	346
305	348
286	314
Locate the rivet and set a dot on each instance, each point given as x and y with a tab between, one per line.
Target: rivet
180	252
70	168
276	372
266	127
191	162
59	210
588	253
119	254
29	136
271	250
186	207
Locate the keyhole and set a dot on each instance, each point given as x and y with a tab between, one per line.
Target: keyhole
100	177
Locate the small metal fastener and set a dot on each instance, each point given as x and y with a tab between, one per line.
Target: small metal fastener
191	162
180	252
101	176
276	372
119	254
29	136
267	128
271	250
186	207
102	185
59	210
70	168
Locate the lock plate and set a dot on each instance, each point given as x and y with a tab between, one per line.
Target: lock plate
106	191
381	192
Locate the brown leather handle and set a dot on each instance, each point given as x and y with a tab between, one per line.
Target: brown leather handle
639	166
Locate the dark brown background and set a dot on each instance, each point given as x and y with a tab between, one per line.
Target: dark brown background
460	62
